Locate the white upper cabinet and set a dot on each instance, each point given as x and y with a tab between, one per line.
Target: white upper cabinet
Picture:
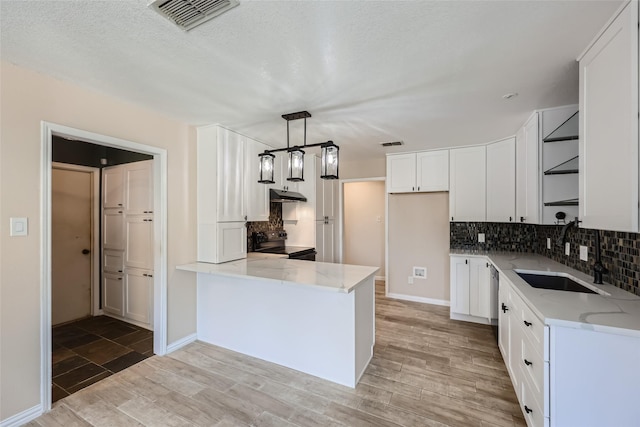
138	178
418	172
231	206
256	194
467	184
113	187
325	194
528	172
138	242
501	181
281	171
608	177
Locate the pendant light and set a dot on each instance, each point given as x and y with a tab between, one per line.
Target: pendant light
295	155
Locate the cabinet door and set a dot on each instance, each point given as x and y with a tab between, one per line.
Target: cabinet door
324	241
459	285
467	184
501	181
230	177
325	194
256	194
113	261
139	242
138	181
609	127
479	288
432	171
528	172
113	187
113	229
281	172
504	315
113	293
232	241
401	173
138	291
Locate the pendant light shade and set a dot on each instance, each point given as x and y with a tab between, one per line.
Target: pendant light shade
296	165
329	161
266	168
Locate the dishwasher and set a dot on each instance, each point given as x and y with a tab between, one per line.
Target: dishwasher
494	285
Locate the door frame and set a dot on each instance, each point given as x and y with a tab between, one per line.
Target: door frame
95	229
341	218
48	130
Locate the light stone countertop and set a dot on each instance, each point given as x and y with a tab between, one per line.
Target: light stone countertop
320	275
617	313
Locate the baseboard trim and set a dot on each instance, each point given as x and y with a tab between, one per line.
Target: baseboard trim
181	342
419	299
472	319
23	417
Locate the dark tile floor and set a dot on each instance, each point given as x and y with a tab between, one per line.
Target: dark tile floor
88	350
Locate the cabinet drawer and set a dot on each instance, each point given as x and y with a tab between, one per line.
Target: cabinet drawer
113	261
531	409
533	327
532	366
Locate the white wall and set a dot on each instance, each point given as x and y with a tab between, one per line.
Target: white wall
27	99
419	236
364	219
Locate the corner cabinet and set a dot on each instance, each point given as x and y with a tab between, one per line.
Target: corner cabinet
221	199
472	295
528	172
501	181
609	126
426	171
468	184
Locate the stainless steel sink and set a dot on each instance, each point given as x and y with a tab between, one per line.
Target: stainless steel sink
557	281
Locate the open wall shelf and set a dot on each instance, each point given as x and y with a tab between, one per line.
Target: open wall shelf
570	166
567	202
567	131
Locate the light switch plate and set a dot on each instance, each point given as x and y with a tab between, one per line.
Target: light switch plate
584	253
480	237
567	248
19	227
410	281
548	242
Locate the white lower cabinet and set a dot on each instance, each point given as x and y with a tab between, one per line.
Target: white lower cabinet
232	241
471	291
138	287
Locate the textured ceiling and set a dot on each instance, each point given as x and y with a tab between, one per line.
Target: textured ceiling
429	73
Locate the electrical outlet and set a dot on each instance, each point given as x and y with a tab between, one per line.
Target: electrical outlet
410	281
584	253
548	242
420	272
567	249
480	237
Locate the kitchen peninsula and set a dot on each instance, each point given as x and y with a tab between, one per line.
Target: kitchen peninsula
314	317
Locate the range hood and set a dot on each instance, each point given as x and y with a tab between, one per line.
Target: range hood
285	196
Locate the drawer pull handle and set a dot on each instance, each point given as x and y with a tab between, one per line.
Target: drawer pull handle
526	362
504	308
527	323
527	409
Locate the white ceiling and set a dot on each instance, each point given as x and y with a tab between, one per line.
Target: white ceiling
429	73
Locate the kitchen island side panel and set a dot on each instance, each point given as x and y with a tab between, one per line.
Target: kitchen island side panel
307	329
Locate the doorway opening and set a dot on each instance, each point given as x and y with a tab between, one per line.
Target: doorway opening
83	338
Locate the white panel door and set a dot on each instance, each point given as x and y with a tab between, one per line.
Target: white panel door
528	172
401	173
139	242
113	229
432	171
328	231
232	241
138	291
256	194
609	127
231	160
113	187
138	182
479	288
328	197
320	241
459	285
113	293
467	184
501	181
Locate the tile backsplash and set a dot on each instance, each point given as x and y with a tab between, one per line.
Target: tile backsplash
274	223
620	251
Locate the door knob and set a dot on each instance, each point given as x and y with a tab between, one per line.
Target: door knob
86	251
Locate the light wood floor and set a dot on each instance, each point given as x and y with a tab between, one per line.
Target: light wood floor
427	370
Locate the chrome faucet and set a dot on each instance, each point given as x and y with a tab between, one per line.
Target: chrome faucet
598	268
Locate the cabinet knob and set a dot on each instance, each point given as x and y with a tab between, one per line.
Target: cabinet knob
413	188
466	261
119	211
119	204
119	278
510	219
527	409
451	218
527	323
526	362
418	188
504	308
119	271
521	219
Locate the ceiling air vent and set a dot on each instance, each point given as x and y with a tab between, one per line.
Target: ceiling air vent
188	14
391	144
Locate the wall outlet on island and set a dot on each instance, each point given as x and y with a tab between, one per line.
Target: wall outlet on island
567	249
480	237
584	253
